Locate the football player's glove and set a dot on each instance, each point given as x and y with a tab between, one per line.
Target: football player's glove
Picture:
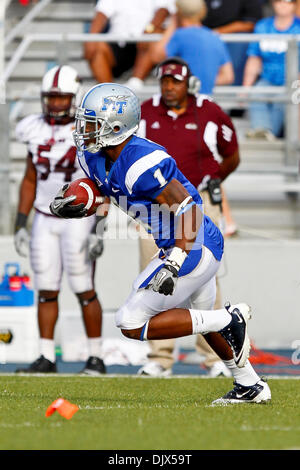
61	207
165	279
94	246
21	241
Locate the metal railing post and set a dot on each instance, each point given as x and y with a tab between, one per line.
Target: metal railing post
5	209
4	139
292	108
28	18
62	51
2	60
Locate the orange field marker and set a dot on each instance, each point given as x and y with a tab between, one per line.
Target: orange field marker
63	407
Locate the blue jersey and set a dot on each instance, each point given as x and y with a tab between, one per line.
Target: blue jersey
140	173
272	51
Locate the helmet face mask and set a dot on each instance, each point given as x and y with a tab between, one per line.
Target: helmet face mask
109	114
60	91
57	105
92	133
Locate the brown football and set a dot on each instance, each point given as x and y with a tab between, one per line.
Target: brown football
86	192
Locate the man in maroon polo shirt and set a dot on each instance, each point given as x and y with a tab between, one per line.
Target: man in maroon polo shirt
202	139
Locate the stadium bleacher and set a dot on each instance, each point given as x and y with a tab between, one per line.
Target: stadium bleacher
258	186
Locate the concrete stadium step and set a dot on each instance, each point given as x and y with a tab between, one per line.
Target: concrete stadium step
269	220
67	11
46	51
29	90
56	11
257	185
35	70
52	27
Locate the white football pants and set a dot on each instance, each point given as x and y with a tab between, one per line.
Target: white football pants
196	290
57	245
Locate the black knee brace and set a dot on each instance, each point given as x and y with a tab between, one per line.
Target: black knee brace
42	299
85	302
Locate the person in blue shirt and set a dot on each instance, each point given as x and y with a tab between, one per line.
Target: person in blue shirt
175	294
265	66
185	37
201	48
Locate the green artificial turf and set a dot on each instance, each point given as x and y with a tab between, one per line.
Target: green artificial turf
144	413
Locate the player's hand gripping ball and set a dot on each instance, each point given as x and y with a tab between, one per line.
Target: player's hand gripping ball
78	199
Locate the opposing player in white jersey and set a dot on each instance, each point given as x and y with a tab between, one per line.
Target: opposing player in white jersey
57	245
175	294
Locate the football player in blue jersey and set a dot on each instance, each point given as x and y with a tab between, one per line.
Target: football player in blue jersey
175	294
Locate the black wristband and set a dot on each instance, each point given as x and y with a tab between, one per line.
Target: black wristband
171	268
21	221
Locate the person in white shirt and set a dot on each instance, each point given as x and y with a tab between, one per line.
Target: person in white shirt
125	19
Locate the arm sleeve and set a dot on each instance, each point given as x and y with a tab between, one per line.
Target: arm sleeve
153	180
107	7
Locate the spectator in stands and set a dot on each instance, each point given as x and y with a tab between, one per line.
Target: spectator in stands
109	60
202	139
265	66
228	17
203	50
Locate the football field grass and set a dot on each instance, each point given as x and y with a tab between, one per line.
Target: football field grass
139	413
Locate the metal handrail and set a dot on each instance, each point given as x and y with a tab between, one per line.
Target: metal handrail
278	94
107	37
30	16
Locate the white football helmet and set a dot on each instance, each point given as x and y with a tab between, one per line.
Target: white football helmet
60	81
108	115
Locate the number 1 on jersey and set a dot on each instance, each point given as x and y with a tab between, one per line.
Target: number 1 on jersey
159	176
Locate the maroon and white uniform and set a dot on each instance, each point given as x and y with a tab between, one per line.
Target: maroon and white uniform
56	244
198	139
53	154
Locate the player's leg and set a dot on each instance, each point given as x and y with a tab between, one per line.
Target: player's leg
212	362
149	315
102	63
92	318
47	316
178	322
161	354
46	264
245	376
80	272
212	345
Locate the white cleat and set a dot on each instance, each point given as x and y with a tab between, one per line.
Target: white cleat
257	393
